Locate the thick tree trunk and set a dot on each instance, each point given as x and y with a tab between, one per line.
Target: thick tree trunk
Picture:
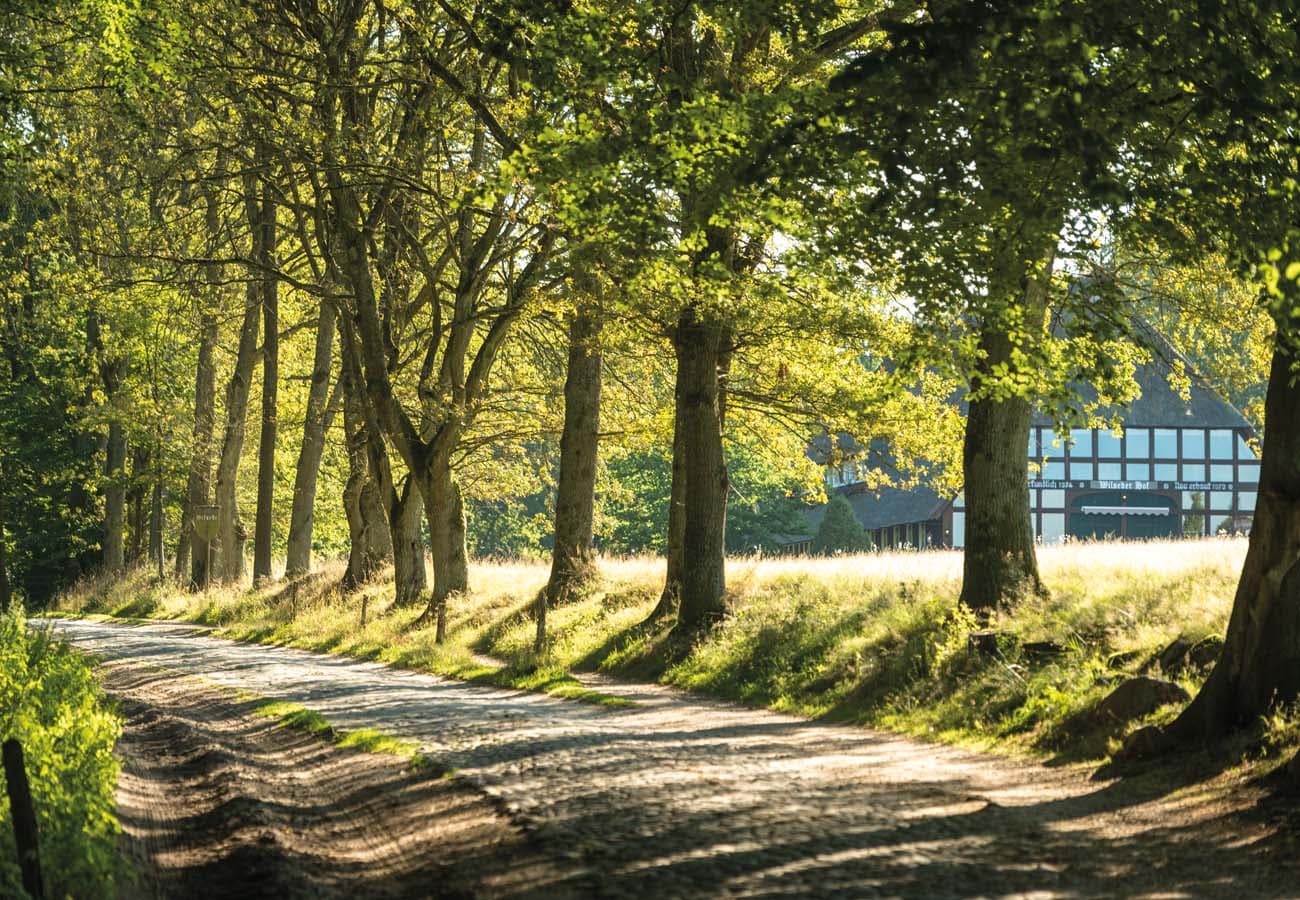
1259	667
675	538
700	349
115	500
368	529
406	518
999	562
571	558
263	520
571	563
302	515
198	482
446	514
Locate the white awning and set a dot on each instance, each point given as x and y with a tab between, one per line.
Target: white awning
1126	510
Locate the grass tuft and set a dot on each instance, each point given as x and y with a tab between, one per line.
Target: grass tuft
368	740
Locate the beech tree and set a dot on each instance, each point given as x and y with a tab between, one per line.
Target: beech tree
656	172
980	187
1234	191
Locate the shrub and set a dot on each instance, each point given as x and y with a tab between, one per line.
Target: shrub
50	702
840	531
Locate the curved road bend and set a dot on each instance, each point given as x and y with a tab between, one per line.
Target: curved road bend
682	797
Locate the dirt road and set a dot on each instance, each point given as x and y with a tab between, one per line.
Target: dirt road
680	797
216	802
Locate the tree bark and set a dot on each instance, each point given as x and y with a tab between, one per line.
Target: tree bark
571	558
198	482
406	517
676	534
370	541
6	592
138	531
575	495
111	372
115	500
231	532
999	562
232	442
263	519
302	515
700	348
1259	667
156	552
446	513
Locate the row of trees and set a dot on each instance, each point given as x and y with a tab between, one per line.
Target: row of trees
721	225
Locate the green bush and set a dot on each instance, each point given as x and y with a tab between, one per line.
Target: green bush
840	531
50	702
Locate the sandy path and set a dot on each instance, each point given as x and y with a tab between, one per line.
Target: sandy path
681	797
216	802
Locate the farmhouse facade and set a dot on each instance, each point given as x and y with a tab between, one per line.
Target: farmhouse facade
1183	463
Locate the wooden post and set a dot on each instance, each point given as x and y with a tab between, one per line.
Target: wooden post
24	816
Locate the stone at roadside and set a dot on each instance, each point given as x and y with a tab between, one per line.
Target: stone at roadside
1133	699
1205	653
1172	657
1121	659
1144	743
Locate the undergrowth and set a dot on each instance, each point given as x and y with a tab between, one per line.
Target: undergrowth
367	740
52	704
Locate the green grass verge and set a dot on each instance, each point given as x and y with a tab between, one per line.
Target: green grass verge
874	640
368	740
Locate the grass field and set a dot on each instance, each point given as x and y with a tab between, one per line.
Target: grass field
875	639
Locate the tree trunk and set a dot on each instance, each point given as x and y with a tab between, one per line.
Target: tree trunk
156	515
406	518
138	530
676	535
446	513
6	592
198	483
368	529
263	521
232	443
231	531
999	563
571	559
302	516
1259	667
703	585
115	500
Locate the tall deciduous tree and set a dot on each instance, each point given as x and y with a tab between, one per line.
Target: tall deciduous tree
1234	191
986	135
321	408
657	169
